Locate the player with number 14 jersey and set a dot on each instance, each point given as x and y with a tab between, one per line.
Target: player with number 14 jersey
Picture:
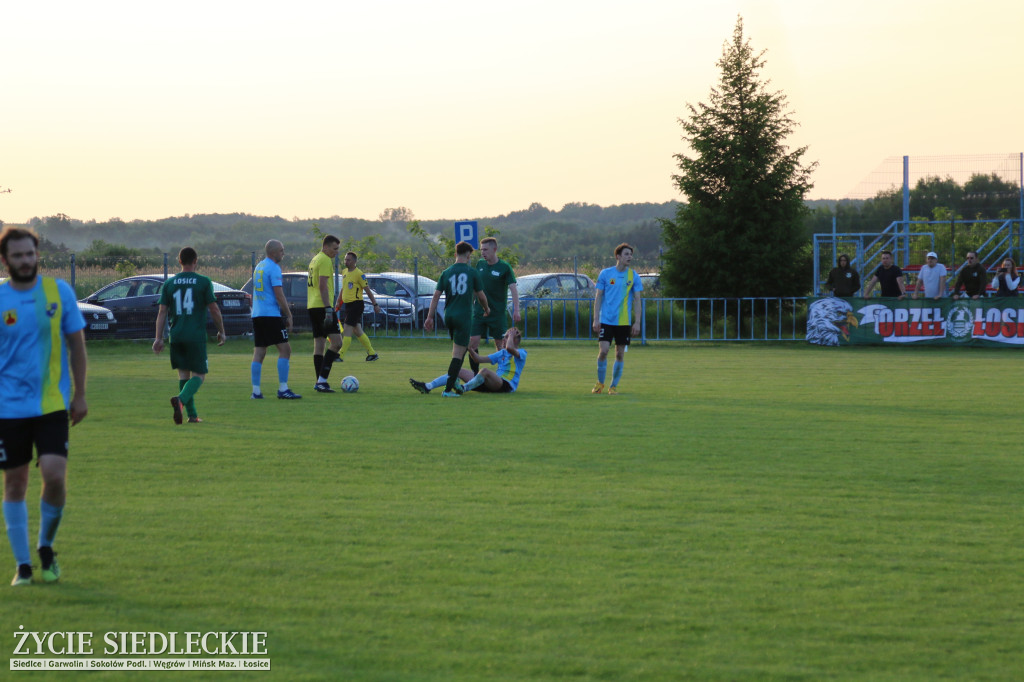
187	295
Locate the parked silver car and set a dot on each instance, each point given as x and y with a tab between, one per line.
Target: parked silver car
394	311
564	285
402	285
99	321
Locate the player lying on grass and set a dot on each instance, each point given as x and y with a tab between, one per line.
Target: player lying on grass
510	359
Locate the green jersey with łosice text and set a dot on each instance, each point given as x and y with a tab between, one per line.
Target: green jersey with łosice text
187	295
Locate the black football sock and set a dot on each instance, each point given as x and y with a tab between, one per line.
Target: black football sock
329	357
453	374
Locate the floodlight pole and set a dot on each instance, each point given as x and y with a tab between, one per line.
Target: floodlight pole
906	211
1020	224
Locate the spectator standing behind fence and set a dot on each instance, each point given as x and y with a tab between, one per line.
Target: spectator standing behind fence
973	278
931	278
1006	280
889	276
843	280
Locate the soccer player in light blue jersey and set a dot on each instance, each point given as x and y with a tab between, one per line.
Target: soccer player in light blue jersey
616	302
42	383
271	321
510	359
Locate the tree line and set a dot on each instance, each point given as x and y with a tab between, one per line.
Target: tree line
535	234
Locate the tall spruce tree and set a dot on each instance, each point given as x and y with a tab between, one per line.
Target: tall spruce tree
739	231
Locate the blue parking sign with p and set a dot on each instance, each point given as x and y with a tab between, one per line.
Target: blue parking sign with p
468	231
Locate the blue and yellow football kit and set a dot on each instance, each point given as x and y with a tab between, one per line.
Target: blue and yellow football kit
35	378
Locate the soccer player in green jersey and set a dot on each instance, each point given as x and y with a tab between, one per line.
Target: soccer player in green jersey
460	284
185	300
497	279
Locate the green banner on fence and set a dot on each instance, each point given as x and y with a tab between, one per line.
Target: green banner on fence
880	321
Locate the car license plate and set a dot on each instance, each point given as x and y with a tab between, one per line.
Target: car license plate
232	303
99	325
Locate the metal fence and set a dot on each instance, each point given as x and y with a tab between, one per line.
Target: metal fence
676	319
663	319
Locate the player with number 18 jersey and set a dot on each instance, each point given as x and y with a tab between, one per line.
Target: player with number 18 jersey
460	282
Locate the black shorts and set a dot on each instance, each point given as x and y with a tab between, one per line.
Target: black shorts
320	329
269	331
619	333
354	313
48	433
505	387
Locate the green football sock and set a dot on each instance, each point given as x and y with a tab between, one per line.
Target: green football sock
188	392
190	406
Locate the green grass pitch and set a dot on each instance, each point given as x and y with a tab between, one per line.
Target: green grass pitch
739	512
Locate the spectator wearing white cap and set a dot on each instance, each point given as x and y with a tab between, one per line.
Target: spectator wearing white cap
932	278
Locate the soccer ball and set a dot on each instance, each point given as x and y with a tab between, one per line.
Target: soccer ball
350	384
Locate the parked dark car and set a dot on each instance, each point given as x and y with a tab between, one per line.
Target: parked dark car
135	302
99	321
393	311
402	285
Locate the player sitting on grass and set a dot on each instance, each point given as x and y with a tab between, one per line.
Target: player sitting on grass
510	359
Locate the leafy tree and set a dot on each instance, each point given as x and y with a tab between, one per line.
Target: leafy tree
398	215
103	253
741	232
440	248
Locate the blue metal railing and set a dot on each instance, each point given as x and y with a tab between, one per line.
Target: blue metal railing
662	319
1004	239
676	319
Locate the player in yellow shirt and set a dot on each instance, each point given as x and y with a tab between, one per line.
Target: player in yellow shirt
353	284
320	304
